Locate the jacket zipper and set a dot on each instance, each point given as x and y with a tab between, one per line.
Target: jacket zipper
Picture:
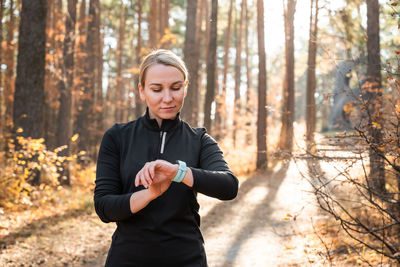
163	135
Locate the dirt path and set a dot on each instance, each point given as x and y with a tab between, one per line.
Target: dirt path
268	224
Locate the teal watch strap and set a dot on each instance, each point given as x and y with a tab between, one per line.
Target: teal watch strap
181	172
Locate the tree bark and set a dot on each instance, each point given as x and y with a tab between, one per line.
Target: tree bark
238	64
79	70
211	65
262	162
1	63
120	84
220	111
311	81
249	106
64	132
373	94
9	81
85	125
53	72
153	33
191	57
29	83
286	137
139	107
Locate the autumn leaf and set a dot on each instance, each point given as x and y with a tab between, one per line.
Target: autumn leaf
74	137
376	125
397	51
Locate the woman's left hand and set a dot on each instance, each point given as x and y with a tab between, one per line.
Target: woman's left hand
155	172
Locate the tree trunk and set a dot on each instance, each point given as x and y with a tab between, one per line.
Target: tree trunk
311	83
220	111
85	125
9	81
64	132
191	57
80	62
120	84
99	83
262	163
139	107
249	105
53	72
238	63
153	33
211	65
1	73
373	95
29	83
286	137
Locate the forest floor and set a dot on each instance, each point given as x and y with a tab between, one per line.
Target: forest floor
270	223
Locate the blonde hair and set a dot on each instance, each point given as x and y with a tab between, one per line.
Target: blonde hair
164	57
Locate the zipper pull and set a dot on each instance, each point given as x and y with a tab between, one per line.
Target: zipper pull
163	136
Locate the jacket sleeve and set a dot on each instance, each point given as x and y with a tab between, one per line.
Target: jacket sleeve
214	177
110	204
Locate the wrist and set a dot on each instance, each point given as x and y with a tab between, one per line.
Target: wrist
151	195
182	169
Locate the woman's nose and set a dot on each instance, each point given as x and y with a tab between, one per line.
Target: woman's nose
167	97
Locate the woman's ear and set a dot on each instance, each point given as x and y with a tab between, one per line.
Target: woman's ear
141	93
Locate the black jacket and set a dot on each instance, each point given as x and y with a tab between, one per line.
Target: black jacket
166	232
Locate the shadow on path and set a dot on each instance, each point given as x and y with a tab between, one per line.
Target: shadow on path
224	209
270	180
38	225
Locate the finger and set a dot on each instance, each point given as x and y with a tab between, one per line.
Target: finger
147	175
152	171
137	179
143	180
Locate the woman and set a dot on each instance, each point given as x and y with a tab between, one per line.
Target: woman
150	170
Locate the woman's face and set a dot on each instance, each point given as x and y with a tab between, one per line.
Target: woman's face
163	92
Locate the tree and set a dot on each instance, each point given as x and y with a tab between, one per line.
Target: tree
191	57
211	65
120	84
220	109
153	33
29	83
138	103
238	64
372	91
312	54
286	137
64	132
262	91
85	119
1	60
249	106
9	81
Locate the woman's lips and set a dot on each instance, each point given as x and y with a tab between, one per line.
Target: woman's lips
168	108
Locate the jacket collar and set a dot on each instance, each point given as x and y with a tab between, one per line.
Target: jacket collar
166	125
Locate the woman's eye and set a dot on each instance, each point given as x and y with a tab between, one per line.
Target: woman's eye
157	90
176	88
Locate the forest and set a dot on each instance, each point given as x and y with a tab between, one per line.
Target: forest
302	96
